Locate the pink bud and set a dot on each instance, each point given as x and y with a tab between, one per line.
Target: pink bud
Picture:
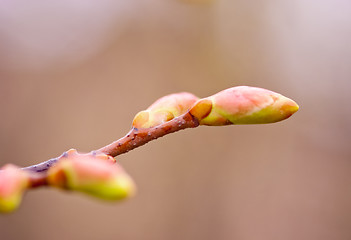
13	182
91	175
243	105
164	109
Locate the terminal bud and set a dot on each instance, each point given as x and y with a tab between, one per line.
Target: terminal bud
243	105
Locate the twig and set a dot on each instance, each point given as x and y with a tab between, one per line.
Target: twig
133	139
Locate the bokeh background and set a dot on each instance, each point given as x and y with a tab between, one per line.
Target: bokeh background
74	73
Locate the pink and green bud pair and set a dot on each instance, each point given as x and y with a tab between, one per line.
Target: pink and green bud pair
237	105
243	105
164	110
13	183
94	174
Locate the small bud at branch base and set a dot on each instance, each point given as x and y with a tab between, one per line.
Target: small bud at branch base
13	182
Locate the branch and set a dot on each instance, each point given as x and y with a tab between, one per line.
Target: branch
133	139
93	172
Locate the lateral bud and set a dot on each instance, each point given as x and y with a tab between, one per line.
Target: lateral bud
164	110
94	174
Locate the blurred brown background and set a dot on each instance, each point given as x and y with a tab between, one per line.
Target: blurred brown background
74	73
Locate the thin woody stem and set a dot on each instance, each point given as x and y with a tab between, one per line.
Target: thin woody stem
43	166
134	138
138	137
37	179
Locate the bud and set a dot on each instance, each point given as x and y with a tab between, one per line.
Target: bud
90	174
164	110
243	105
13	182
